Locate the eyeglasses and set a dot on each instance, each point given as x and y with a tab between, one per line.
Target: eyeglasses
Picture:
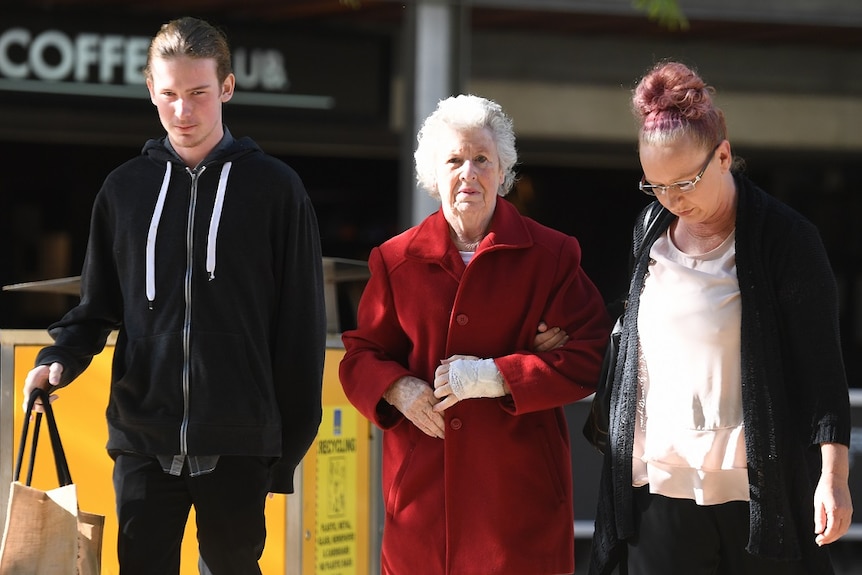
684	186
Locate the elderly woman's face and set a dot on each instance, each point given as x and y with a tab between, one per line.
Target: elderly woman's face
469	176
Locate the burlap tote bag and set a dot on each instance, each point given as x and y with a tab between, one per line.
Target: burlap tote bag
45	532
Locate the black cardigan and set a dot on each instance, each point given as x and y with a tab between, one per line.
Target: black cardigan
794	387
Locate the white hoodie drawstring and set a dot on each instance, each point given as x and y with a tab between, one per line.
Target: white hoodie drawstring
211	237
151	237
215	219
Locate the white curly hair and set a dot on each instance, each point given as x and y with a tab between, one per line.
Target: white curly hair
462	113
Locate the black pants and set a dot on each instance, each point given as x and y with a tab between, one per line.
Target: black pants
679	537
153	508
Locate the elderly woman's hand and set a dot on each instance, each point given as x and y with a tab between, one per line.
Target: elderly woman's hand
549	338
464	377
415	399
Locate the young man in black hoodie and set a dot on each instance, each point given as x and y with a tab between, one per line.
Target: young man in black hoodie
204	253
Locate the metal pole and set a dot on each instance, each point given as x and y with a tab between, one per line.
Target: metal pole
436	38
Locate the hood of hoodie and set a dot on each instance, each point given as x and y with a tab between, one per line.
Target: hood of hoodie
228	149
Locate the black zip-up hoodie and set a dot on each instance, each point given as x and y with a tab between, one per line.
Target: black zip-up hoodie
213	277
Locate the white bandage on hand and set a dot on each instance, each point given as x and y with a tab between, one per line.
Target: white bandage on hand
475	378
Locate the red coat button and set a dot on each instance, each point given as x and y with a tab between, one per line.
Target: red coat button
455	423
462	319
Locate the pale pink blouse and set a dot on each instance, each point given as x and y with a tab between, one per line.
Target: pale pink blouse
689	440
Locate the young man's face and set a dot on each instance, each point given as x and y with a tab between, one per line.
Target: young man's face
189	97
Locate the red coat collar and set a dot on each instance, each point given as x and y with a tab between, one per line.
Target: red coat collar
431	239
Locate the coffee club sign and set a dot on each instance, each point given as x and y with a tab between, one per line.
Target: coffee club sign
54	61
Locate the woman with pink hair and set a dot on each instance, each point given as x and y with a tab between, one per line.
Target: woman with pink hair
729	419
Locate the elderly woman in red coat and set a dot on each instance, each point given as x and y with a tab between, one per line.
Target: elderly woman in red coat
476	462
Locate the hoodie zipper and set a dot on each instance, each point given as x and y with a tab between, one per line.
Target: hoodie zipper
187	295
211	249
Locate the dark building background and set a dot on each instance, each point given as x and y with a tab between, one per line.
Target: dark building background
787	75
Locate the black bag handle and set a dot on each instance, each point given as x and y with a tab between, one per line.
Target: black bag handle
63	475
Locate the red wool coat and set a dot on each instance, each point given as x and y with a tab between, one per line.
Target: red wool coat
494	496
